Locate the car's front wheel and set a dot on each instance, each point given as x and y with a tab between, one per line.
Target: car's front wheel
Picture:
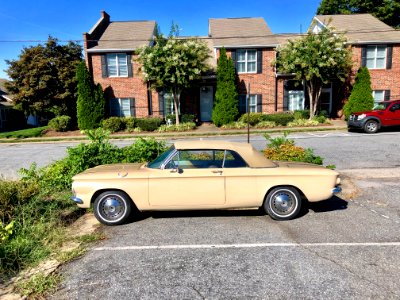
283	203
371	126
112	207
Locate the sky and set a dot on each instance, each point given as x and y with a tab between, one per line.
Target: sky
24	21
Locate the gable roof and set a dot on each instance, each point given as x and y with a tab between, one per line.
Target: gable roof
4	95
238	32
126	36
360	28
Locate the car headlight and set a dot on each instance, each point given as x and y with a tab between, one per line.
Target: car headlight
362	116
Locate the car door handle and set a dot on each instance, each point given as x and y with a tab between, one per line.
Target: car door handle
217	172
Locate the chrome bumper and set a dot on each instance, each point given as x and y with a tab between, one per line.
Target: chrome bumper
336	190
77	200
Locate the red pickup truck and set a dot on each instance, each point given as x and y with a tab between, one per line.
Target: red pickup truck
386	113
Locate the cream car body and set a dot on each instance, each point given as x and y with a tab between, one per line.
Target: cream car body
178	183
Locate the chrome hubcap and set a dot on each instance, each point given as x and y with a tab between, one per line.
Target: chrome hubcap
111	208
283	203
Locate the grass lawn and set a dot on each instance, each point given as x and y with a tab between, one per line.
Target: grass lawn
24	133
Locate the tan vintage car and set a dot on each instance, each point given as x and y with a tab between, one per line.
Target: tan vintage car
193	175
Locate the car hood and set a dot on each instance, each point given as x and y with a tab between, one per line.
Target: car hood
367	112
111	171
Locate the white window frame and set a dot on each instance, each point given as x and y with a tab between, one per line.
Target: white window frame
117	64
375	57
169	107
121	112
253	102
246	61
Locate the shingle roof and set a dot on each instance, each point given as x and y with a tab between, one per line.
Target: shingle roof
361	28
125	36
237	32
283	38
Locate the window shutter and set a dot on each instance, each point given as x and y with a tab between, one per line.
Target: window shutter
161	104
259	61
363	56
133	108
259	103
389	51
387	95
130	67
104	71
285	95
233	56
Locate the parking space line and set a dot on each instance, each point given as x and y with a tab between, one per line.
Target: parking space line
258	245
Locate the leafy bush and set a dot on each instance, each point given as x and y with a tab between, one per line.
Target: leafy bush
265	124
180	127
321	119
303	122
60	123
254	118
130	123
281	119
301	114
84	156
113	124
149	124
188	118
361	96
284	149
171	117
234	125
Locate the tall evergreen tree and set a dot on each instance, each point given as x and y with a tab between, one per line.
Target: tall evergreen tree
226	96
91	102
361	96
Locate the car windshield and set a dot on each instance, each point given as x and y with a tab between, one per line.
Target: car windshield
156	164
381	105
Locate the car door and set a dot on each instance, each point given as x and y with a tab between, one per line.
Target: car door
192	179
241	182
393	115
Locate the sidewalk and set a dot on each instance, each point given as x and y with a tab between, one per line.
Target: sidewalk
205	129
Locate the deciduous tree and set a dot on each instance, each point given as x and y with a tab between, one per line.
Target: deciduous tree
172	64
387	11
43	78
315	59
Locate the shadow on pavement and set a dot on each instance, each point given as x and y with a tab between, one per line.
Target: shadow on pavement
332	204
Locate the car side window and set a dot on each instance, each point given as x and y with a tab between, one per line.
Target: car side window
196	159
234	160
396	106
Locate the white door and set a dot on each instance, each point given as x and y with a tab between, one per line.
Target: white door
206	103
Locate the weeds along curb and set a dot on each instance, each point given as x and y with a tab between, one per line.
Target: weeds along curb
175	135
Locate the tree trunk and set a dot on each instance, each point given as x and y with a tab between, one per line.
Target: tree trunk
177	95
314	89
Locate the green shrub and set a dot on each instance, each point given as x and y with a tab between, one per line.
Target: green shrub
149	124
320	119
171	117
60	123
265	124
303	122
113	124
281	119
361	96
181	127
142	150
284	149
234	125
301	114
254	118
130	123
188	118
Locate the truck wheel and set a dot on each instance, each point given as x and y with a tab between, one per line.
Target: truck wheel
371	126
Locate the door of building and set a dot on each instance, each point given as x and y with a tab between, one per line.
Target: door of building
206	103
325	100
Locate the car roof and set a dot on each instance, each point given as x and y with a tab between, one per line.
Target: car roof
253	157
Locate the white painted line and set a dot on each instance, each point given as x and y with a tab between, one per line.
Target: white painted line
260	245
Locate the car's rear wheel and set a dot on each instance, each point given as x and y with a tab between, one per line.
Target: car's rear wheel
283	203
371	126
112	207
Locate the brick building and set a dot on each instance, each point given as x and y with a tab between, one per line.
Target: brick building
110	47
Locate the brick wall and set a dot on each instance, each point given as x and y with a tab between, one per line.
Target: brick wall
263	83
382	79
125	87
